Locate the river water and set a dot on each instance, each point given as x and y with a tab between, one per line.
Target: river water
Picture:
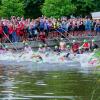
20	83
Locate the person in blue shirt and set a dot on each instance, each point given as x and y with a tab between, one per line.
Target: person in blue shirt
88	25
41	25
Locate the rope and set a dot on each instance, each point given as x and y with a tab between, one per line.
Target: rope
63	35
10	41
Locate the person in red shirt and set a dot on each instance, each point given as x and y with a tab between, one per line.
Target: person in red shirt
10	31
86	45
20	30
75	46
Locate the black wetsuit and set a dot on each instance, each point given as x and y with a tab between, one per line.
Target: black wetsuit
57	50
67	55
95	46
40	58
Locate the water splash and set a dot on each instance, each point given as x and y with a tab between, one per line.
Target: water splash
83	59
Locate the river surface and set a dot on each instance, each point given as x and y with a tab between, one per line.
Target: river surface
18	83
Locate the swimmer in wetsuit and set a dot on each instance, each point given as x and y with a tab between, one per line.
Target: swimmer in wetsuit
86	46
57	50
27	49
93	45
38	57
67	55
41	49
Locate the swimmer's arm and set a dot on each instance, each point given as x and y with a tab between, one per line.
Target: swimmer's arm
35	56
21	54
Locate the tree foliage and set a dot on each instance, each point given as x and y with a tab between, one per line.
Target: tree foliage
32	8
84	7
97	5
58	8
11	8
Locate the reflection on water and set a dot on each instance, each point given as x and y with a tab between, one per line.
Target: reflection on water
17	83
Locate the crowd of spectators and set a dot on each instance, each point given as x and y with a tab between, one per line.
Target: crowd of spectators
18	29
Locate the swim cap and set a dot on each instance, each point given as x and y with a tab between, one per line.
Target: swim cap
94	49
6	46
26	44
74	41
56	47
23	41
80	48
45	45
40	45
61	38
93	40
85	40
68	46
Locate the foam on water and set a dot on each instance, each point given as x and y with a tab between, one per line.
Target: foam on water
83	59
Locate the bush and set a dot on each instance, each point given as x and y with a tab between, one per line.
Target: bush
11	8
58	8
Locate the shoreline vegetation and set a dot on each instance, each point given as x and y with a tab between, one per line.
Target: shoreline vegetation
94	60
49	8
97	55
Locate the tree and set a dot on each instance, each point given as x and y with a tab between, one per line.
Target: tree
11	8
58	8
97	3
84	7
32	8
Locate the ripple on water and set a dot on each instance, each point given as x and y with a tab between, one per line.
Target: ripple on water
40	83
51	97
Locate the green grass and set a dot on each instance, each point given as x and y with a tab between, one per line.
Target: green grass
97	53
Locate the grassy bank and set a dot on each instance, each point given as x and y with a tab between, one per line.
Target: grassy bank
97	53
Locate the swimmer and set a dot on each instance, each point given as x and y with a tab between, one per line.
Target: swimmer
80	51
75	46
6	50
67	55
62	45
27	48
38	57
41	49
86	46
93	45
68	48
57	50
46	48
2	51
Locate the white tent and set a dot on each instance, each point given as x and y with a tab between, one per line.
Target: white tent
95	15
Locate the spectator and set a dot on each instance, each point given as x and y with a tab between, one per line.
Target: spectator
18	29
1	33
